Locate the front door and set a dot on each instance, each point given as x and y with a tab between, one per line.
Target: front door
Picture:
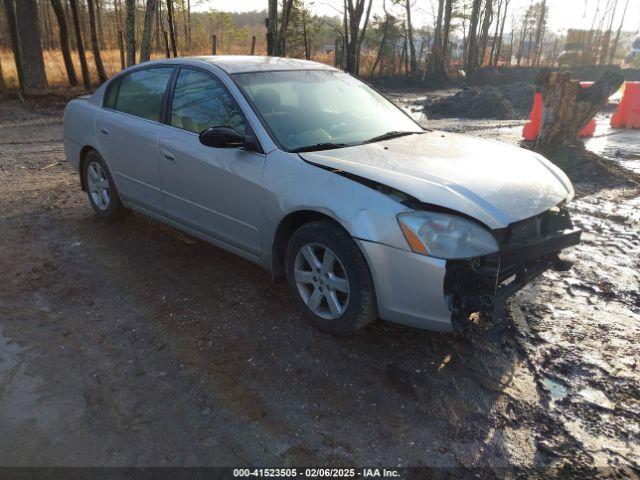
216	191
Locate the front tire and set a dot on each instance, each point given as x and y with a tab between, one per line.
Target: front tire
101	189
330	278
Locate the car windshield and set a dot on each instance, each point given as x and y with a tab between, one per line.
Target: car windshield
316	110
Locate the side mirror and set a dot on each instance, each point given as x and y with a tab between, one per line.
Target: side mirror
221	137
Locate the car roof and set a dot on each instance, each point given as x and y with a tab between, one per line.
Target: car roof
255	63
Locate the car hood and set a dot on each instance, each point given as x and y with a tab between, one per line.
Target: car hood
492	182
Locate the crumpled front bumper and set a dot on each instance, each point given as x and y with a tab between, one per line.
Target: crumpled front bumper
437	294
483	284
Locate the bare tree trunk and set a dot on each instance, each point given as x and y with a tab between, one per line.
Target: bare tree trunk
101	43
167	52
64	42
95	46
385	33
272	27
35	77
116	10
567	107
600	36
353	18
446	28
499	40
184	25
145	46
189	22
412	46
486	24
472	49
69	18
586	57
130	33
540	31
615	42
172	33
307	53
157	33
12	26
495	34
363	32
523	35
86	80
606	38
47	41
436	49
287	5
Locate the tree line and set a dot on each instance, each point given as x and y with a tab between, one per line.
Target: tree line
465	35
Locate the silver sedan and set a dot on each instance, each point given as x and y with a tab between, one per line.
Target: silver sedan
312	174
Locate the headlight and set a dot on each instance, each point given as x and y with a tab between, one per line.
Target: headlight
446	236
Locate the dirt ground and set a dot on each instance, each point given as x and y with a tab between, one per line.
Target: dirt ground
132	344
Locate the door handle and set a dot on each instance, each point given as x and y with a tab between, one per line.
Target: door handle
104	130
167	155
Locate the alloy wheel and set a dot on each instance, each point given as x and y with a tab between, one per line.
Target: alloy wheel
98	185
321	280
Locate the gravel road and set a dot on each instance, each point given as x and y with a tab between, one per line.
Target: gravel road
132	344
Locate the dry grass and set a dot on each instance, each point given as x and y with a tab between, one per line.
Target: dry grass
57	75
54	66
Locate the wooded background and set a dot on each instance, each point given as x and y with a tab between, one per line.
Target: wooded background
82	42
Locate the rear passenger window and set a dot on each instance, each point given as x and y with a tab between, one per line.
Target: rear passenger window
140	93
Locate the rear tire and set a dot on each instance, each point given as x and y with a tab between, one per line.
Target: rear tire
329	276
101	189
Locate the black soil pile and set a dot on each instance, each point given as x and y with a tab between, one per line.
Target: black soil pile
504	75
503	102
520	95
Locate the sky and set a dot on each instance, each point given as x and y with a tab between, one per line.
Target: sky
563	14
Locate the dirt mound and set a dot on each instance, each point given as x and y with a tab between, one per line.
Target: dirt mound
504	75
504	102
520	95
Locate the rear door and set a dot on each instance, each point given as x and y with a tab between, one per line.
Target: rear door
127	131
216	191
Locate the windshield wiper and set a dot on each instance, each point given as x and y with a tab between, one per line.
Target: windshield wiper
389	136
319	146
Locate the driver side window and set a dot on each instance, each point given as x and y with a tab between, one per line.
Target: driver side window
201	101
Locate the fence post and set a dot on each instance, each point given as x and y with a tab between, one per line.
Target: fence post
214	45
121	48
253	45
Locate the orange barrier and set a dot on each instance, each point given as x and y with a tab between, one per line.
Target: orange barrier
532	127
628	113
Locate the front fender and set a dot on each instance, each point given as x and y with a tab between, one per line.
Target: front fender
362	210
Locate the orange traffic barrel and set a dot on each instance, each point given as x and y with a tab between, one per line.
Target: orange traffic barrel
532	127
628	113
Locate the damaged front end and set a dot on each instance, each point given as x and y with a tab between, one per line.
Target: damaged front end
527	248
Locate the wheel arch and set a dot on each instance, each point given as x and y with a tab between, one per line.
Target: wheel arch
289	224
83	159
